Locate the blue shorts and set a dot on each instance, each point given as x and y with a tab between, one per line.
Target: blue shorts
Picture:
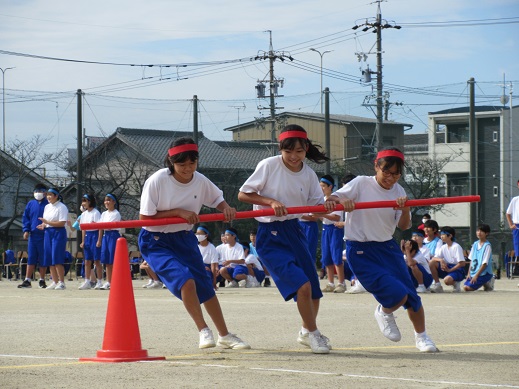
332	243
90	249
311	231
427	277
259	274
283	249
235	271
482	279
36	249
55	243
108	246
515	237
456	275
381	269
175	258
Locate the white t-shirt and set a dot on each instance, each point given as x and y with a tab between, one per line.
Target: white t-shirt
110	216
57	212
294	189
452	255
421	260
162	192
90	216
209	253
252	260
425	252
231	253
219	250
370	225
513	209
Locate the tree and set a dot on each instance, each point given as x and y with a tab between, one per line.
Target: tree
19	172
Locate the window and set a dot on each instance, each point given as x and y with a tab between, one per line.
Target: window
457	133
458	184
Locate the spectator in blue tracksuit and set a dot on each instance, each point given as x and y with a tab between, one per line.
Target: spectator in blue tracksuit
30	220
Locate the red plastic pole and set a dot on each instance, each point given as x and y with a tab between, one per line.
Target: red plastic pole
212	217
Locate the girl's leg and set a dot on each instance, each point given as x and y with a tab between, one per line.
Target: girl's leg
109	269
329	271
60	271
99	269
192	304
417	318
54	274
88	269
340	273
307	307
212	306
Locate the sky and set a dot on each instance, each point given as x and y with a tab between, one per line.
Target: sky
139	64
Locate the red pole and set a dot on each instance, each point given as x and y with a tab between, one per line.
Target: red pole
212	217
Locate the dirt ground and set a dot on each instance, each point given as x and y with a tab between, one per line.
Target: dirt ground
45	332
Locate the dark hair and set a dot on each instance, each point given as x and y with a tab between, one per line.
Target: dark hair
253	232
233	230
329	180
180	157
91	198
389	162
40	186
485	228
313	152
449	230
347	178
432	224
427	216
113	197
245	247
414	245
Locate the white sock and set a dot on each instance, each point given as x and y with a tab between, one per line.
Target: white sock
421	285
27	279
420	335
304	331
316	332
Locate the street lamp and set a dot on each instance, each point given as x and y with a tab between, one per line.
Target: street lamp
321	55
3	103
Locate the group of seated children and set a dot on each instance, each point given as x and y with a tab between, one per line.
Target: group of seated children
434	254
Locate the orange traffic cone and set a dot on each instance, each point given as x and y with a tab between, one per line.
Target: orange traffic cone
122	340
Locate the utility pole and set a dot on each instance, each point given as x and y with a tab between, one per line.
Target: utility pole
195	118
3	104
79	178
378	24
274	83
321	90
327	128
473	157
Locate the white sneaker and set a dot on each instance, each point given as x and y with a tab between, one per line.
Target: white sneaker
436	288
52	286
232	284
233	342
60	286
329	288
150	282
85	285
106	286
242	283
340	288
421	289
456	288
425	344
318	344
99	284
252	282
304	339
155	285
387	324
357	288
206	339
489	286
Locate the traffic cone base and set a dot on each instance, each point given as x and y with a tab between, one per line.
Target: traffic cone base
122	340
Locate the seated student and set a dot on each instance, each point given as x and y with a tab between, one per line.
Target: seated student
419	236
209	253
233	259
256	272
432	239
425	217
417	265
154	282
9	259
448	263
253	251
480	262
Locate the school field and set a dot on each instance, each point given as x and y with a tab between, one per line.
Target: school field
43	333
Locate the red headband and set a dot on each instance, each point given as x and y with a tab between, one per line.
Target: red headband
390	153
182	148
293	134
